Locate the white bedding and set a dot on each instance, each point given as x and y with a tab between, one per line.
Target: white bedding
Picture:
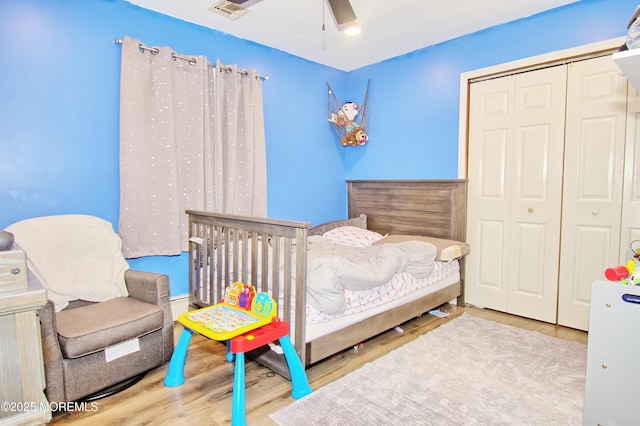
335	269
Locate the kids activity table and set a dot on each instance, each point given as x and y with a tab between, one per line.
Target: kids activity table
246	321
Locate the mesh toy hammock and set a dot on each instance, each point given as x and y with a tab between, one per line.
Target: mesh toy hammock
349	120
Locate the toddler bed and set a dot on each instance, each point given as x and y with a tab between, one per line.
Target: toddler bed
406	231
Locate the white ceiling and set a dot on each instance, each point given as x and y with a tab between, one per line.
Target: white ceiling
389	27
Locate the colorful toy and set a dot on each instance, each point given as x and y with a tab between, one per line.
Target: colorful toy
345	116
247	321
240	311
355	137
349	120
629	273
617	273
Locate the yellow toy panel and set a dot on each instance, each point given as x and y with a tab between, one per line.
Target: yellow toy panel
242	310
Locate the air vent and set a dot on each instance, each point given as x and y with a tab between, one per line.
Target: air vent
228	9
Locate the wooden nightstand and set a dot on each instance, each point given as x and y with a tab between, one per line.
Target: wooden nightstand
22	385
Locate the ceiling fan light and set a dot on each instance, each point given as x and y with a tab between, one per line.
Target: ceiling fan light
353	29
344	16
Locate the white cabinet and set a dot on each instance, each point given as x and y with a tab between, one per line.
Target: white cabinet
546	171
611	393
629	63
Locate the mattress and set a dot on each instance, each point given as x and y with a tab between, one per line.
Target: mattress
400	290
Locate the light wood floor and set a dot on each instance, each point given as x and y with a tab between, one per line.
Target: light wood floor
205	397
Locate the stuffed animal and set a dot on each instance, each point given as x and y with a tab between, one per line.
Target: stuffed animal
350	110
349	120
346	115
355	137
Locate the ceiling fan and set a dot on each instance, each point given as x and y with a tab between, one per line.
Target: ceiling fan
342	11
344	16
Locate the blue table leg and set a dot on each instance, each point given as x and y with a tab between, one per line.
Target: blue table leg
175	373
230	355
238	404
299	383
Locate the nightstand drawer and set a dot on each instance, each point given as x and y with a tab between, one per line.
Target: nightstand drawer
13	269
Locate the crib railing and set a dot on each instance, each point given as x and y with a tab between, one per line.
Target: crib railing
270	254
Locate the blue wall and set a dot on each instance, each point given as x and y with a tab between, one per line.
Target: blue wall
415	98
59	105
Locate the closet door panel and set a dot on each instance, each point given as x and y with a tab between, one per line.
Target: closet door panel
593	164
538	145
631	191
488	204
528	261
490	274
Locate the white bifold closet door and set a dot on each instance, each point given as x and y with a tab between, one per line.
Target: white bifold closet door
630	227
545	169
515	174
593	181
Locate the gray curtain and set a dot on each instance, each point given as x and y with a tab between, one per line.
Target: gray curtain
191	137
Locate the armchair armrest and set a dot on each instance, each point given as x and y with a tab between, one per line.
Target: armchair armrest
51	353
48	332
153	288
148	287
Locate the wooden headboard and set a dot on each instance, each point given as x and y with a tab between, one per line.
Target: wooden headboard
436	208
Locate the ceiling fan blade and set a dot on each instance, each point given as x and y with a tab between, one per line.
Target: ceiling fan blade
342	11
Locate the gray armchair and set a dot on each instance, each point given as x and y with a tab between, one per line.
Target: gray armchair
74	340
96	333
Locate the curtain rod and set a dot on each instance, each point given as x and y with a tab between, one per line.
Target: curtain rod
191	60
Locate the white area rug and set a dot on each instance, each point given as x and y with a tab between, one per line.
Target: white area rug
469	371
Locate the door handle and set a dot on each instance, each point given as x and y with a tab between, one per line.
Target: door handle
631	298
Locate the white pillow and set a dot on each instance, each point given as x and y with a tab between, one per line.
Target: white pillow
352	236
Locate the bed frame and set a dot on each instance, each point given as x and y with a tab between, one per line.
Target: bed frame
268	252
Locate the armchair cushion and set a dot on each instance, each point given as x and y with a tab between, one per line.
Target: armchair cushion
92	328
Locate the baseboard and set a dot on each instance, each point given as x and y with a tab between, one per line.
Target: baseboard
179	305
